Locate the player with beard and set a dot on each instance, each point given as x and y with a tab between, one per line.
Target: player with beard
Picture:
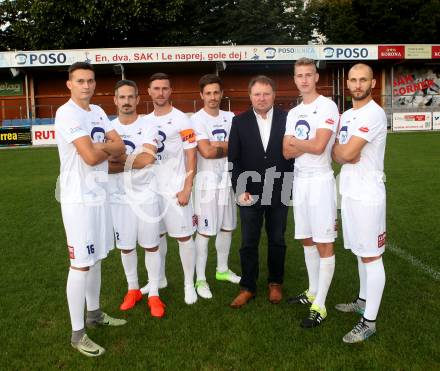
213	196
133	198
360	149
175	170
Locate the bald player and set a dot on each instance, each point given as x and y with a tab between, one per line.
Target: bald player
360	148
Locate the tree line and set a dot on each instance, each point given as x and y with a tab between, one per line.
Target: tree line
62	24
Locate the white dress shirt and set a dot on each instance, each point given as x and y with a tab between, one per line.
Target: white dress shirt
264	125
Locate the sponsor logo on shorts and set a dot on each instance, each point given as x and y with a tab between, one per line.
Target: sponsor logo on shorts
195	220
381	239
71	252
364	129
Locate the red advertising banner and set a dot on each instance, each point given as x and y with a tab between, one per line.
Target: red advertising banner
435	51
391	51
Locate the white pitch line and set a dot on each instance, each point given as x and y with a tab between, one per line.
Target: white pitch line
414	261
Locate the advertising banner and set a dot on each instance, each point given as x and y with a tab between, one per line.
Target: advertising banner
15	136
348	52
391	52
406	121
418	52
435	51
11	87
43	135
416	87
436	120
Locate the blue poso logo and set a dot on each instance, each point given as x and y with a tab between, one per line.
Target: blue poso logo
345	53
40	58
270	53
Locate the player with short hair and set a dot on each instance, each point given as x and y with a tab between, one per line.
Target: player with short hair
360	147
86	140
175	171
133	198
213	196
309	137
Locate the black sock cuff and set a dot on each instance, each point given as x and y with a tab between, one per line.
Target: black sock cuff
368	320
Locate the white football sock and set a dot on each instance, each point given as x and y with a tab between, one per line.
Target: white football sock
326	270
187	252
163	248
375	273
201	243
223	245
152	263
93	287
129	262
311	256
76	297
362	279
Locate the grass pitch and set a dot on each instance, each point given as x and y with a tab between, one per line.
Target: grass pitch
35	326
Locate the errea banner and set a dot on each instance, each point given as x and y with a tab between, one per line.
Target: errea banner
15	136
348	52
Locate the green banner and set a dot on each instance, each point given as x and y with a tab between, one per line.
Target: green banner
11	87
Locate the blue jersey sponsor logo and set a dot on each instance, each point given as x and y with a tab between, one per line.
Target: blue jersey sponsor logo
343	134
129	147
302	130
219	135
98	134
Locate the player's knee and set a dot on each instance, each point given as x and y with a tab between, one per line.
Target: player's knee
183	239
151	249
123	251
226	230
203	235
370	259
83	269
308	241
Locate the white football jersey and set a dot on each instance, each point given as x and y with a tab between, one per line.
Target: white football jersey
210	172
175	134
365	179
138	185
79	182
303	121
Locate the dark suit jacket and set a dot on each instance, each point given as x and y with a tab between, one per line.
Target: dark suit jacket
246	152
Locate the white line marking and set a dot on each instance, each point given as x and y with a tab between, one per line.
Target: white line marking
414	261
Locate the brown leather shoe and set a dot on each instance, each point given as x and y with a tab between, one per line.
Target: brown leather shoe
243	297
275	292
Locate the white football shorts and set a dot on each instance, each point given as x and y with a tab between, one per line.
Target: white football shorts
215	210
178	221
89	233
314	207
136	222
364	226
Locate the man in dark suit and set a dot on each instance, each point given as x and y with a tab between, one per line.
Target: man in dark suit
262	181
